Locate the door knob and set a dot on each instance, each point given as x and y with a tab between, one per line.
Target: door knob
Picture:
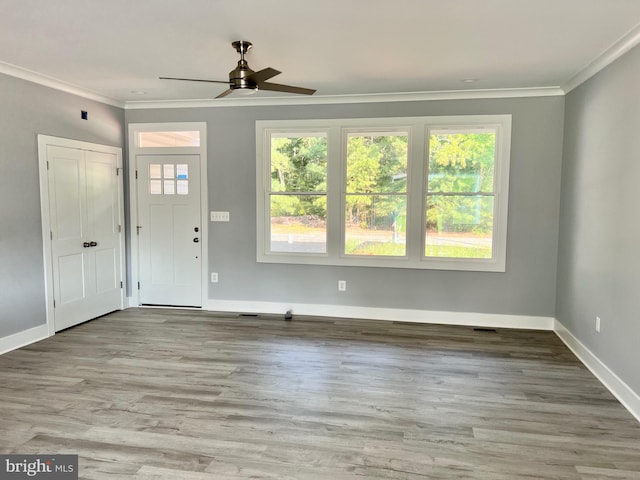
196	240
93	244
86	244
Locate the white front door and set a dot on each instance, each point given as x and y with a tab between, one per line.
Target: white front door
169	230
86	233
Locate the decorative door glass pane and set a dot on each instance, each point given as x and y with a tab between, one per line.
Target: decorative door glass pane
182	187
182	172
169	170
155	187
169	187
155	170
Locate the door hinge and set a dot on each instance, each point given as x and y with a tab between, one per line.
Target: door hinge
138	285
117	172
47	164
136	174
51	235
138	229
54	304
119	228
121	285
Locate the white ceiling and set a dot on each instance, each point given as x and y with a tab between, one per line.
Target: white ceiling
340	47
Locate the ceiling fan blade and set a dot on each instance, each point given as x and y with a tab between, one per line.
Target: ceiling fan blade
263	75
194	80
276	87
225	93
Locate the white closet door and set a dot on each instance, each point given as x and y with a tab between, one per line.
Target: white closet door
85	234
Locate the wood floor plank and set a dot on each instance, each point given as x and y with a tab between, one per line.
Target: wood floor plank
149	393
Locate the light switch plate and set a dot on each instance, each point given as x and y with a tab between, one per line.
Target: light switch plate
219	216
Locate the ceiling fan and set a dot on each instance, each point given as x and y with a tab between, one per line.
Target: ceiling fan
245	80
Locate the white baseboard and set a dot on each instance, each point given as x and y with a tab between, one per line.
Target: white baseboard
488	320
625	395
23	338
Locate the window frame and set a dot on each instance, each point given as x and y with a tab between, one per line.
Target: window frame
418	129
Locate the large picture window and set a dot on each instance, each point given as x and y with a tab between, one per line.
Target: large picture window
418	192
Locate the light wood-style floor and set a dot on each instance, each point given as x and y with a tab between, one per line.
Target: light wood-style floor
166	394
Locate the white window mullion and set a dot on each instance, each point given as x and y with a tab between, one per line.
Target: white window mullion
335	195
417	181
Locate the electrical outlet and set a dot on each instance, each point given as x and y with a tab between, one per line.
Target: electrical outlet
342	285
214	277
598	324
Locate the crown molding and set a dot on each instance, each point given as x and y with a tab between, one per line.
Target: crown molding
471	94
337	99
619	48
46	81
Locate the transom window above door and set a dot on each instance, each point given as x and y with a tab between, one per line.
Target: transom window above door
168	139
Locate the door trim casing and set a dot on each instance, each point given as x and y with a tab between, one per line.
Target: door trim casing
133	296
43	142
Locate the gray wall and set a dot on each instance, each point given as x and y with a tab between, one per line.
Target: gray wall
599	252
27	109
528	286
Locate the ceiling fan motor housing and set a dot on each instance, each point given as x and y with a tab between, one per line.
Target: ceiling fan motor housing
238	76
